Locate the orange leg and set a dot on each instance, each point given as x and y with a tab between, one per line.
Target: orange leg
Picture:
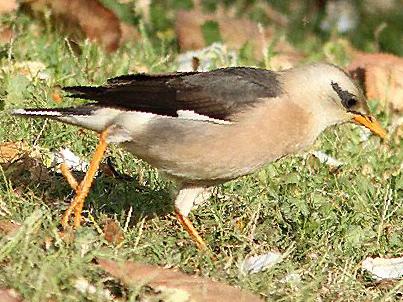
69	177
190	229
82	190
184	201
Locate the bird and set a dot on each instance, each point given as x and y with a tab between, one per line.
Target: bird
202	129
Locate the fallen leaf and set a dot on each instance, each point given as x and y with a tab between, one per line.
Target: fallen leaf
10	151
9	295
8	6
255	264
6	35
234	32
8	228
387	285
382	78
33	168
178	285
383	268
113	233
90	19
22	164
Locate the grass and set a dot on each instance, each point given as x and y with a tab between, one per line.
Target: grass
329	221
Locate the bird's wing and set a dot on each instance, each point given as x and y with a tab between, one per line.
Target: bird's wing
217	94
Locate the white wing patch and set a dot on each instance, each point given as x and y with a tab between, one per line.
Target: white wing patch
133	121
191	115
127	125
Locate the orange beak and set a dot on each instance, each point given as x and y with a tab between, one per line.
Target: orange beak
371	123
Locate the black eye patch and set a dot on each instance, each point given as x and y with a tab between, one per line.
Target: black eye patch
347	99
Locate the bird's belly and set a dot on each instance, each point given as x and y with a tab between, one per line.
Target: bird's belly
213	153
213	161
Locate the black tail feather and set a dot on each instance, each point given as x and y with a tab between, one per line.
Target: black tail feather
84	92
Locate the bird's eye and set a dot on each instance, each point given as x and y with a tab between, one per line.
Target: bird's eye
347	99
351	102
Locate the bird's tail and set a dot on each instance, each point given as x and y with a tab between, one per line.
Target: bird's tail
53	113
89	116
85	92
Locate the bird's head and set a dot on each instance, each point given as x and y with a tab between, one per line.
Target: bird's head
335	95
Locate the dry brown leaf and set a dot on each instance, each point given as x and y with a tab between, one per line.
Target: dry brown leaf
10	151
9	295
18	159
8	228
188	287
37	171
91	17
7	6
113	232
6	35
235	33
382	78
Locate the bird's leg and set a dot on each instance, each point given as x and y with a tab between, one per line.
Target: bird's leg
69	176
64	169
190	229
85	185
183	204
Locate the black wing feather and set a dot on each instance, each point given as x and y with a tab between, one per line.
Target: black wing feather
128	78
217	94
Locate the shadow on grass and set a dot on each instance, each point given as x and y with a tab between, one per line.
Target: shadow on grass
110	194
116	196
